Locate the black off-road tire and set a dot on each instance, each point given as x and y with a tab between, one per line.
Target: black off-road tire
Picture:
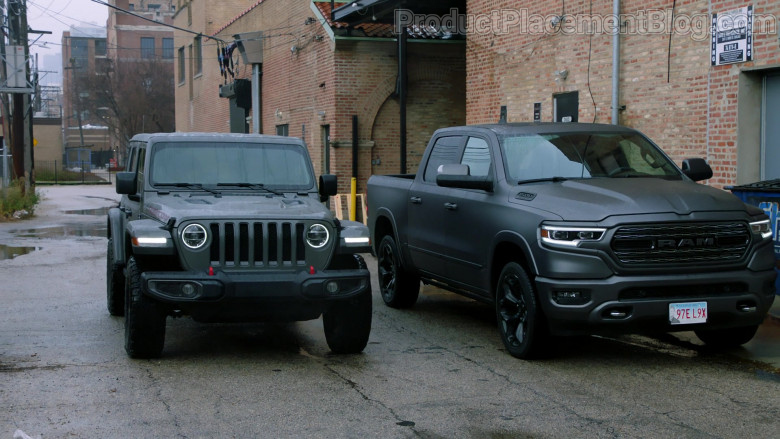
347	324
399	288
115	283
726	338
521	324
144	318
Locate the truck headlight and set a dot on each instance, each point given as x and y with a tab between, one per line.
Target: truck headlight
570	236
317	236
194	236
761	227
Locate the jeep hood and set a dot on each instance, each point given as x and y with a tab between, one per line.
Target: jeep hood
598	198
183	205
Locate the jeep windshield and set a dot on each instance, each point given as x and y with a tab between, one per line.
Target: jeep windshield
562	156
231	166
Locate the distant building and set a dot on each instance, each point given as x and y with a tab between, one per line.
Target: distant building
83	51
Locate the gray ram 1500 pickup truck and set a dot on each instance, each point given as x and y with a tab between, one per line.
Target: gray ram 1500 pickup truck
573	229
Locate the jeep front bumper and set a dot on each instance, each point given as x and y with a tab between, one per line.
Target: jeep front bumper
272	295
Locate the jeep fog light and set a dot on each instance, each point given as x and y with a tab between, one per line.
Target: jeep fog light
194	236
317	236
188	290
570	236
762	227
332	287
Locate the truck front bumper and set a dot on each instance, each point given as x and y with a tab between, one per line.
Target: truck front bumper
272	295
642	303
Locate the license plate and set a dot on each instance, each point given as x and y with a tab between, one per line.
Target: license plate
687	313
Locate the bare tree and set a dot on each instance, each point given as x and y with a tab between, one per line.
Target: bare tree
132	97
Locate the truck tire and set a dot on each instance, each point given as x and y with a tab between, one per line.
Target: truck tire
520	321
347	324
726	338
144	318
399	288
115	283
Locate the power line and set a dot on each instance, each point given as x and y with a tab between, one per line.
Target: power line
100	2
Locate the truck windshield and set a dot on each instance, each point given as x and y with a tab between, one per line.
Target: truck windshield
584	155
242	165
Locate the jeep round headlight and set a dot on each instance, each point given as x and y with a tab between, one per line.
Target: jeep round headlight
317	236
194	236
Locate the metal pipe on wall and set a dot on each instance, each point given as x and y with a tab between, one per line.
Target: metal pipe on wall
616	64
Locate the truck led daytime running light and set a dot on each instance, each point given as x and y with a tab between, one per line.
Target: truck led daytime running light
570	236
762	227
363	240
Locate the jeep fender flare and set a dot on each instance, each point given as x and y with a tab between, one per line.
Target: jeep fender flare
116	230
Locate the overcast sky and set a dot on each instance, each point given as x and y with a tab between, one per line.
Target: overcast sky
58	16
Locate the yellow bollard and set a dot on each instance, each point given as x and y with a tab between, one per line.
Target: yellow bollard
353	199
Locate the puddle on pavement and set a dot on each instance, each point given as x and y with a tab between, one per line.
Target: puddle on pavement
99	211
7	252
88	230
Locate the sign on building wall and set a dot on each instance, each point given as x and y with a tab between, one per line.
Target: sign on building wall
732	36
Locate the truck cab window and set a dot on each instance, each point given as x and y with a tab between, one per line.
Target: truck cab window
477	157
445	151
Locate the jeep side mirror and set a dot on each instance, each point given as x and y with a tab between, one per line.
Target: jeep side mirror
328	186
696	169
126	183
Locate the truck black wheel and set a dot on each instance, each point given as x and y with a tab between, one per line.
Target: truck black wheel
520	321
727	338
115	283
144	318
399	288
347	324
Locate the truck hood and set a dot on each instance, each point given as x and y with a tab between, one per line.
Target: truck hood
598	198
230	206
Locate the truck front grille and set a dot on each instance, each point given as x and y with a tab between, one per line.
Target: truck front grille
681	243
257	244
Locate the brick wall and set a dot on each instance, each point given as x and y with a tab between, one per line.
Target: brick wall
325	82
674	96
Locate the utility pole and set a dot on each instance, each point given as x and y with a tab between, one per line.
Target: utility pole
21	127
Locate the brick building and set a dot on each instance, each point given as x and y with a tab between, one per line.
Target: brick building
522	53
316	75
83	50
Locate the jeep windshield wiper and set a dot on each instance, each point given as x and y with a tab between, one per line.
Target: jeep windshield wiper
192	186
252	186
539	180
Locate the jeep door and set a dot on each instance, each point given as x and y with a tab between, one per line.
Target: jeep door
135	163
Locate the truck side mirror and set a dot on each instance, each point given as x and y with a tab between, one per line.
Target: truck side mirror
126	183
328	186
458	176
696	169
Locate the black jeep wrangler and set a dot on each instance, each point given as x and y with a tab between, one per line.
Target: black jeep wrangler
231	228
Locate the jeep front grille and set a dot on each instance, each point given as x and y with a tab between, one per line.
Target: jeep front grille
257	244
681	243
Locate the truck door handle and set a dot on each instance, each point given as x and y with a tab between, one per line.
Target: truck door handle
416	200
451	206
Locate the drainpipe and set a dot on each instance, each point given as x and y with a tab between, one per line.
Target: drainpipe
616	64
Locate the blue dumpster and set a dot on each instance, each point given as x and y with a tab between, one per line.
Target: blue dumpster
765	195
